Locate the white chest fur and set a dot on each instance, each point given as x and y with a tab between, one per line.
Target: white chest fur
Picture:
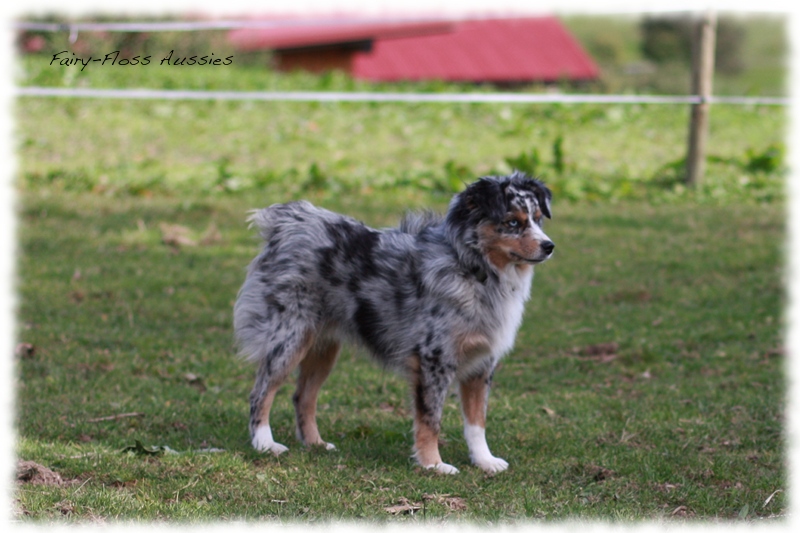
516	289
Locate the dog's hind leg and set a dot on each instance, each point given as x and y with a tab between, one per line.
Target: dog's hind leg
430	379
474	393
314	370
272	372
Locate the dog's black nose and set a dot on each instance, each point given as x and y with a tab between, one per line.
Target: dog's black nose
548	247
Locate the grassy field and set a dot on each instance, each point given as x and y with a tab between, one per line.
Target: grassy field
604	152
647	382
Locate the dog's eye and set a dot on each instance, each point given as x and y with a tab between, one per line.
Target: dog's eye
513	223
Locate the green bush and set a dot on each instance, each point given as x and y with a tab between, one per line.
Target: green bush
669	39
665	40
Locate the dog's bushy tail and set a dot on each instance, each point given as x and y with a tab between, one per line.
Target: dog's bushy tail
264	220
268	219
414	223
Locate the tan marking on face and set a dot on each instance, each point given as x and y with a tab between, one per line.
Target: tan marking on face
473	400
522	217
494	246
501	249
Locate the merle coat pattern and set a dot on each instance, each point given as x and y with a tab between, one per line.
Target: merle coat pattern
438	299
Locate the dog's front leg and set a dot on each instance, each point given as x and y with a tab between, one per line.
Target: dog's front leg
474	398
430	379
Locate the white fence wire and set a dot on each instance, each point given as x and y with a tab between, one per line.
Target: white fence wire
330	96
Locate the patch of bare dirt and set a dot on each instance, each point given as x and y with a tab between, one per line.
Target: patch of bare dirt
36	474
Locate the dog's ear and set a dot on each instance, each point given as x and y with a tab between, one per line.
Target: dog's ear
543	196
485	199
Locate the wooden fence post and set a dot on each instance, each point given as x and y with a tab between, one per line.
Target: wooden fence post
702	77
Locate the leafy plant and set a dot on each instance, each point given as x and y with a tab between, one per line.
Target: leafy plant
558	155
771	159
317	179
670	174
529	162
456	175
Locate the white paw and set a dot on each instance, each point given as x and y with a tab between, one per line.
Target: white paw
329	446
262	441
276	448
443	468
491	464
479	450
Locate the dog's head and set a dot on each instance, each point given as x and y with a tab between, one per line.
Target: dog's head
502	219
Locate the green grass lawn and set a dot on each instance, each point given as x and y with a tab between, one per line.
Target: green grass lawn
647	381
608	153
682	419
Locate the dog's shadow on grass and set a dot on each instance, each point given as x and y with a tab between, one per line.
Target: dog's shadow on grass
386	448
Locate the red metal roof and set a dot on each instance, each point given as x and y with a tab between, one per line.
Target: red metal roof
499	50
493	50
300	34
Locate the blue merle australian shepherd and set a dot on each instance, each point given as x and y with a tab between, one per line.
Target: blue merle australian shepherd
437	299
